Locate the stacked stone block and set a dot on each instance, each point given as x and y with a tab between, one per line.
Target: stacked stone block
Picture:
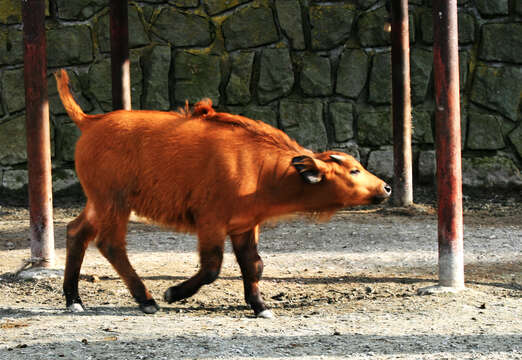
319	71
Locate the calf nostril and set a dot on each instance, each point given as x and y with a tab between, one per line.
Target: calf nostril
387	189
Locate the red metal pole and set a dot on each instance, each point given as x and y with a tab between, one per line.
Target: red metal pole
447	130
402	181
38	134
120	64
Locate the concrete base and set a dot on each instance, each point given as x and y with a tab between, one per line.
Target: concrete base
437	289
40	273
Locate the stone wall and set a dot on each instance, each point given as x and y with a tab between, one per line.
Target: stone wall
319	71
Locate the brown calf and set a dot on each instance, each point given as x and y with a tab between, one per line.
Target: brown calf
210	173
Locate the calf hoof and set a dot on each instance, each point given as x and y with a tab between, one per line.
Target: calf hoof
149	307
265	314
174	293
76	308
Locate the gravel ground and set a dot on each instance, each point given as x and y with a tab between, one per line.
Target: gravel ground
342	289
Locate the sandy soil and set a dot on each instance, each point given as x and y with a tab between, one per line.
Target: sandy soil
342	289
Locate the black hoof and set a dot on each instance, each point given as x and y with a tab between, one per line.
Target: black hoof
75	304
174	293
149	307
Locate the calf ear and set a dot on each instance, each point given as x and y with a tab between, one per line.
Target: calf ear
309	168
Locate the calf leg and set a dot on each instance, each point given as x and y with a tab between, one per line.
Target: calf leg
80	232
210	257
111	243
245	248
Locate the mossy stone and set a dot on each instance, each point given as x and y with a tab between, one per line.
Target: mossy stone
316	79
13	90
365	4
11	46
422	132
380	163
497	172
370	28
99	85
67	135
516	139
464	60
101	89
352	72
290	19
10	12
13	149
489	8
262	113
71	45
238	88
498	89
374	128
182	29
197	76
341	116
156	67
215	7
501	42
15	179
427	166
65	180
380	79
466	28
426	25
137	35
249	27
136	75
421	66
78	9
331	25
185	3
518	7
276	77
303	121
485	132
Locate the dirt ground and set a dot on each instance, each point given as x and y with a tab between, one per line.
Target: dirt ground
342	289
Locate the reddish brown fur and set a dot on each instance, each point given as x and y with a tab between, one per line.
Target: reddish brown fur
211	173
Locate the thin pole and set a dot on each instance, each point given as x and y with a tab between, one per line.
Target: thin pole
120	64
38	134
447	130
402	159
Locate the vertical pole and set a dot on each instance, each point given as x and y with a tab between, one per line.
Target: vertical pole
402	181
120	64
447	130
38	134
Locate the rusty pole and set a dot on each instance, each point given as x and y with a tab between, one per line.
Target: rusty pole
38	134
448	148
401	94
120	64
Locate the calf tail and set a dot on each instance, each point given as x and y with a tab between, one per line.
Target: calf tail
74	110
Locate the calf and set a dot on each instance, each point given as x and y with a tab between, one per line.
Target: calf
201	171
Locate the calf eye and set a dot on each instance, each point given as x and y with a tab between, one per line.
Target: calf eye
355	171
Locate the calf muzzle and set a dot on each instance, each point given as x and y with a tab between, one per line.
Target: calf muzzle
383	195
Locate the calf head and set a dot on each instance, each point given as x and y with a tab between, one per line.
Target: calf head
338	180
